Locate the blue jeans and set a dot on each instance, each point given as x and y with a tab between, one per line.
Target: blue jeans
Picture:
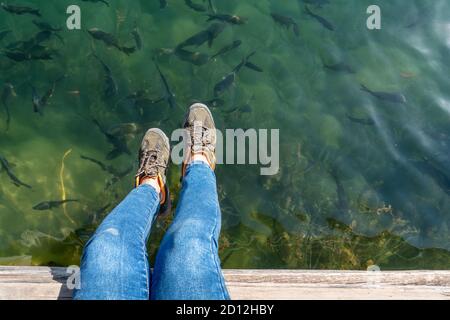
114	264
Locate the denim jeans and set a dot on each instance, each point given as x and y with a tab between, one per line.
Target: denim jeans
115	266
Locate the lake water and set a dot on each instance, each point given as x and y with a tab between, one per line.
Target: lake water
364	176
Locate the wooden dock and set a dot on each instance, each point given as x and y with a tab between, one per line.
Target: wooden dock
50	283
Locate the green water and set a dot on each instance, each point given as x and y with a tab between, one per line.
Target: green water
348	194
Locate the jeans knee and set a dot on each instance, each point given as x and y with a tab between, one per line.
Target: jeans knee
104	249
192	233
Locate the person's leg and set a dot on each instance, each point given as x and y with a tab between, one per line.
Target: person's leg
114	264
187	264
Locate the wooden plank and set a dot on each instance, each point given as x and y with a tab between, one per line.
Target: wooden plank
50	283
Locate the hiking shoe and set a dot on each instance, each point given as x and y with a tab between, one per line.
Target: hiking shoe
154	156
200	137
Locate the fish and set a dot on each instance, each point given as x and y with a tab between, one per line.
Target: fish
214	30
7	92
246	63
162	4
282	20
139	100
42	36
253	67
243	62
340	67
224	84
20	45
40	102
36	100
95	1
20	10
169	95
366	122
128	50
245	108
111	87
204	36
393	97
6	166
110	40
324	22
137	37
103	166
49	205
4	33
227	48
228	18
230	78
106	168
196	58
195	6
17	56
196	40
119	145
28	45
31	49
286	22
44	26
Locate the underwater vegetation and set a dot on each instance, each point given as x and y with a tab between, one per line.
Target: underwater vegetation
363	115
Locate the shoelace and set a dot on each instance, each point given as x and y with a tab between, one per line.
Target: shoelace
200	139
150	163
